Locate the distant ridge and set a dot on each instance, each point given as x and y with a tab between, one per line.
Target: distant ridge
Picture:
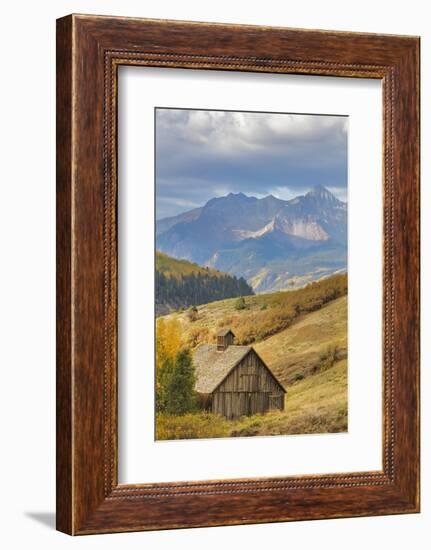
181	284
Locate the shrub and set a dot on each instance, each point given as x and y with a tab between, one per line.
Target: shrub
191	426
192	314
328	358
240	303
248	426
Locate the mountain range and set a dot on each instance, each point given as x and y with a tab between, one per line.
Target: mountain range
274	244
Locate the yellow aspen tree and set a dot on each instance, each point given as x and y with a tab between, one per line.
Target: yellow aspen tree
168	344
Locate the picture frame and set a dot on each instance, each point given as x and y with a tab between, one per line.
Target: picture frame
89	51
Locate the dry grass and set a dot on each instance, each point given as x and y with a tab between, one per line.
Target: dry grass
263	316
298	351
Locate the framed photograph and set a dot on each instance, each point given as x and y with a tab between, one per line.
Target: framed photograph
237	274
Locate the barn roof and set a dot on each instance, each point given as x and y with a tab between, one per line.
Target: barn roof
224	332
212	366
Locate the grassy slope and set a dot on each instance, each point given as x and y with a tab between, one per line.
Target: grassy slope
264	315
316	400
316	403
297	349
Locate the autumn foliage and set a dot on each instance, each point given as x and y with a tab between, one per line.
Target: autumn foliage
175	377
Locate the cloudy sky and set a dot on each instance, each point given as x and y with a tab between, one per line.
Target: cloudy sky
206	154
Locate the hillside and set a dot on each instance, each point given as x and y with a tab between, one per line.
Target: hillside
274	244
296	351
180	284
315	380
310	360
178	268
262	316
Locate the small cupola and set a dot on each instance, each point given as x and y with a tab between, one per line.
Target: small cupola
224	339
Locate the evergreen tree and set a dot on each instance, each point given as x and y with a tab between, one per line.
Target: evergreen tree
163	380
198	288
180	394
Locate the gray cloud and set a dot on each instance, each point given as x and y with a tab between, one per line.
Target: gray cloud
202	154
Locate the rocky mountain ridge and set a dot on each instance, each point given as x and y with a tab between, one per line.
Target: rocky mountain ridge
273	243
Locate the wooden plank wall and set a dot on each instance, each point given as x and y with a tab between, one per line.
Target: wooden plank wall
249	389
250	375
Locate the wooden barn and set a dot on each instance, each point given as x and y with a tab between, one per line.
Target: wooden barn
234	381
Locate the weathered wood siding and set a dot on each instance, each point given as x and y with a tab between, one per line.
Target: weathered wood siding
248	389
224	341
